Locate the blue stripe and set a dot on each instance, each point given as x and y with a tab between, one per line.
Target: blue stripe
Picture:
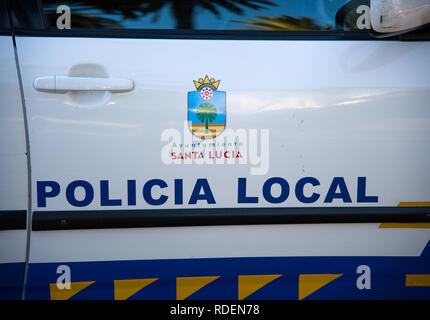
11	280
387	277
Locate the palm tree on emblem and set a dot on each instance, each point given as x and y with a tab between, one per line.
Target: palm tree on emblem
206	113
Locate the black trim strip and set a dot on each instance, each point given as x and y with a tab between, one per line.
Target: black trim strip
101	219
5	32
198	34
13	220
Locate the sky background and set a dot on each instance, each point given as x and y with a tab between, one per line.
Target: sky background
194	101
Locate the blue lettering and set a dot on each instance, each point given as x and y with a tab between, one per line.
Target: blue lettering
300	193
70	193
241	193
207	192
202	191
267	190
179	191
147	192
42	193
131	192
361	192
343	194
104	195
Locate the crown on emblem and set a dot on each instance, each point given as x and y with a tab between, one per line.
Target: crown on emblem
206	82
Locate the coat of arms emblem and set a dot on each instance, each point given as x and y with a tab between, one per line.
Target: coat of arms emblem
206	109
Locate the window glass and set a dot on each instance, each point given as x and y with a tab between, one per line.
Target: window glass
269	15
4	18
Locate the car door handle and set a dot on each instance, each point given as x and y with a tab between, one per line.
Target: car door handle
63	84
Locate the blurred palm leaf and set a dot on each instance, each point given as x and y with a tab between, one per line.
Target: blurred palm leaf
285	23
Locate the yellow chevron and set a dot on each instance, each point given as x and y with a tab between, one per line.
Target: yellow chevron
186	286
247	285
414	204
418	280
65	294
309	283
124	289
416	225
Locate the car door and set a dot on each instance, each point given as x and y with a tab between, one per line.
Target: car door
13	170
192	157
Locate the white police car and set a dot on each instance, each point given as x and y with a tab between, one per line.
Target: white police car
255	149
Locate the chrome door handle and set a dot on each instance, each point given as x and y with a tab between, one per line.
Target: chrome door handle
63	84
